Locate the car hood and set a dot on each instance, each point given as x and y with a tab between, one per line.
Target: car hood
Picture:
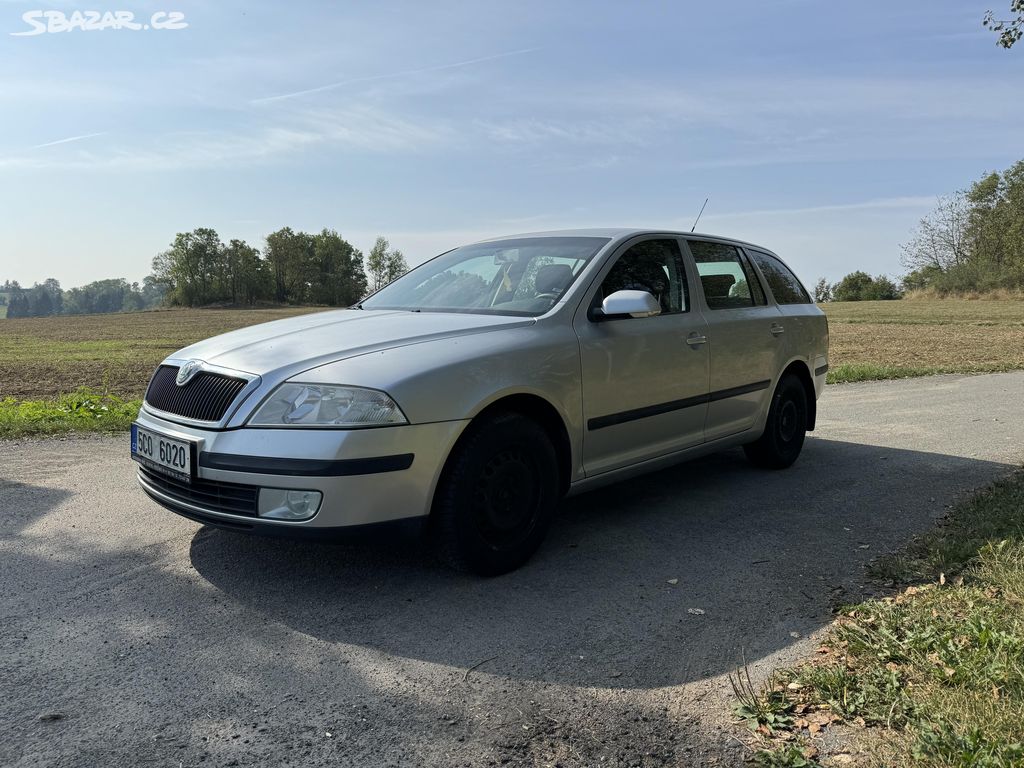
298	343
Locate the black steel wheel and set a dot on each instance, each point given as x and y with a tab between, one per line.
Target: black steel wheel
784	431
497	493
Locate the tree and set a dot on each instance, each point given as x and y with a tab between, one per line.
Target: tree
822	291
384	265
52	287
193	268
940	239
17	301
246	279
291	259
250	276
41	303
340	281
153	291
1009	30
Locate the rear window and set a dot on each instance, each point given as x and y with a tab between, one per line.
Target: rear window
785	285
726	277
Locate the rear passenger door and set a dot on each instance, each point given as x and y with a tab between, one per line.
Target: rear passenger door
745	337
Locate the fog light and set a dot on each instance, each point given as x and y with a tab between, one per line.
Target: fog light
282	504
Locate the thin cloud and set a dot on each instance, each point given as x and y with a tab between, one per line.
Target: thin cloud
68	140
885	203
390	76
354	130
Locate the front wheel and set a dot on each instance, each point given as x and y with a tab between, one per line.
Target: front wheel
496	496
785	429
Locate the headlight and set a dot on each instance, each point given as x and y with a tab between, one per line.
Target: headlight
327	405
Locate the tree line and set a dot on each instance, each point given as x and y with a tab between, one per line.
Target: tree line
48	298
972	242
199	269
974	239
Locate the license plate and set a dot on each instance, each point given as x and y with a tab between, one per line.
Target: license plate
164	454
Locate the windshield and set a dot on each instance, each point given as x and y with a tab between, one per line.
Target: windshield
525	276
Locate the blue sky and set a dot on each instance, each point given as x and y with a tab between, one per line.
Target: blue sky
821	130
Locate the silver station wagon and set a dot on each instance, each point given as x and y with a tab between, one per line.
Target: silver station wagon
475	391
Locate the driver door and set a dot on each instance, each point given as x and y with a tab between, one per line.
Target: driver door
644	380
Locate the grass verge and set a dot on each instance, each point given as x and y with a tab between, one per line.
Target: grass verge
931	677
845	373
82	411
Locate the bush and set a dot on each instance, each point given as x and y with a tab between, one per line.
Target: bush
860	286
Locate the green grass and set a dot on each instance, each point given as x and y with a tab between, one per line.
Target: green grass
934	677
786	756
846	373
83	411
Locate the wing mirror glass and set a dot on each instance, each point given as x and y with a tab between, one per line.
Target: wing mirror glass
631	303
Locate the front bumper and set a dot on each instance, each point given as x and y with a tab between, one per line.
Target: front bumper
366	476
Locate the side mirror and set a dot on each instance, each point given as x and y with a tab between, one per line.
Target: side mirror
630	303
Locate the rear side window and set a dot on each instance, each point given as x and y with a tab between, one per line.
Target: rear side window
726	276
784	284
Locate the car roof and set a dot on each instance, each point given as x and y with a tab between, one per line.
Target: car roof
621	233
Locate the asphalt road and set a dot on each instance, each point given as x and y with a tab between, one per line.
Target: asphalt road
132	637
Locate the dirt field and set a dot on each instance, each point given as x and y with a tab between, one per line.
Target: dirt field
44	357
893	339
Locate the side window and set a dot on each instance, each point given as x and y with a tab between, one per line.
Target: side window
655	266
725	275
784	284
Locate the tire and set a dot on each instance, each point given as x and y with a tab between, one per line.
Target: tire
496	496
785	429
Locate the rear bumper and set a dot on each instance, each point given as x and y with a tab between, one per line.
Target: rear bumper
367	476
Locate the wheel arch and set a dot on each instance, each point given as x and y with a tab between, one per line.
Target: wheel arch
539	410
802	371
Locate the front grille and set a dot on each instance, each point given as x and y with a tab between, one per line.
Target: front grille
211	495
206	397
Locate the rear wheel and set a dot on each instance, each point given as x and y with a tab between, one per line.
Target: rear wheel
785	429
496	495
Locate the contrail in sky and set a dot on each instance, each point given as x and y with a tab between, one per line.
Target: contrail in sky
391	75
68	140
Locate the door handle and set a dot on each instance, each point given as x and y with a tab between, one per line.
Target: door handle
696	339
776	330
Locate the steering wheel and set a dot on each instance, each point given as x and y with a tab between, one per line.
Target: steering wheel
552	296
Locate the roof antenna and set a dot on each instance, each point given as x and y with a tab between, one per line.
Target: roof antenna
699	214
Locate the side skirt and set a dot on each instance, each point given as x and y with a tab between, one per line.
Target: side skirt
661	462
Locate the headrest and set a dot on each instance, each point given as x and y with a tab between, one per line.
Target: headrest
553	278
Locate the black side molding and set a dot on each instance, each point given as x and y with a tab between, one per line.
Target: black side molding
746	389
271	465
600	422
821	371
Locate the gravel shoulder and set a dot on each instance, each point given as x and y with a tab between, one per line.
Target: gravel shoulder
134	637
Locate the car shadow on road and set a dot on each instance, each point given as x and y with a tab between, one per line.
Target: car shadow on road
660	580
